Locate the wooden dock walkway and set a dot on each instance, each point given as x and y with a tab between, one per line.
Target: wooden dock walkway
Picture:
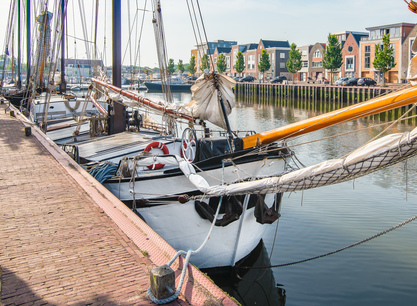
65	239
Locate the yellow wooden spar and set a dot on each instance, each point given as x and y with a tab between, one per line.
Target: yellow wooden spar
374	106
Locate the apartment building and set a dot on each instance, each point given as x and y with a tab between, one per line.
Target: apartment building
398	36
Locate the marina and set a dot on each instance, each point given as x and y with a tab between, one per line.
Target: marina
177	197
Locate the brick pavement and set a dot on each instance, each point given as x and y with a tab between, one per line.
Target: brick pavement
64	239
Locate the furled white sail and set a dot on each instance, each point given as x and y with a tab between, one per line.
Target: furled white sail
205	94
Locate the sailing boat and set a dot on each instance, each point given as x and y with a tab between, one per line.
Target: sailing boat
184	176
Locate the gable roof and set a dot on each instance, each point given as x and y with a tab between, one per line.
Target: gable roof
223	50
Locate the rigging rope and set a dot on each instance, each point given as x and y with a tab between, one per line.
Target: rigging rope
338	250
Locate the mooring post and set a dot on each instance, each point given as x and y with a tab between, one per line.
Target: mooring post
162	282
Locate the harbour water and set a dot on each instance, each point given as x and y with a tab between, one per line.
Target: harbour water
382	271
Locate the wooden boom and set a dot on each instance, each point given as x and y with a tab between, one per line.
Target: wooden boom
143	100
371	107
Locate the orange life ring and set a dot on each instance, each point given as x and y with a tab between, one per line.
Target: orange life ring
157	145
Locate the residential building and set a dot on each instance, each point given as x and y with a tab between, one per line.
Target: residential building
242	48
398	34
302	75
316	70
209	48
350	54
227	55
278	56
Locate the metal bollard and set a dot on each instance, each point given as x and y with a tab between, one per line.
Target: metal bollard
28	131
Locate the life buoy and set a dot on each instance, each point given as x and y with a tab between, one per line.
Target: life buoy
157	145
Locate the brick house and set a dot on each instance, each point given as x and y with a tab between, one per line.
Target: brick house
244	49
227	54
350	54
398	34
315	60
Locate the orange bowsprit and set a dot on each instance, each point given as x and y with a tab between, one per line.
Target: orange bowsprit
374	106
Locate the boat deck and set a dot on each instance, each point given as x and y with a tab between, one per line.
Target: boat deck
65	239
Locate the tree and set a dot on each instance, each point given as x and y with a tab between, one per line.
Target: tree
264	64
294	60
180	67
191	66
332	58
221	63
384	57
205	64
170	67
240	63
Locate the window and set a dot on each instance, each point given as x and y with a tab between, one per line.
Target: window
282	55
392	46
411	52
349	63
317	64
367	57
282	65
350	48
317	54
305	64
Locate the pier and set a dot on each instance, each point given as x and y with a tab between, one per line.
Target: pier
65	239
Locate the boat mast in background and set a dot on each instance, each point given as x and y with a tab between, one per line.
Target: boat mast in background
63	83
28	46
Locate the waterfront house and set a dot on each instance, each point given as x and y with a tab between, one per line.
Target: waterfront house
398	34
350	54
278	52
316	70
302	75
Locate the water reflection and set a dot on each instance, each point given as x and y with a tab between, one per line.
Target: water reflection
249	285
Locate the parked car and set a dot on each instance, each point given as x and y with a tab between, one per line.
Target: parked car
236	78
340	81
366	82
248	78
350	82
279	79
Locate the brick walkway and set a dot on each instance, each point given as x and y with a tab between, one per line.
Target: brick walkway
64	239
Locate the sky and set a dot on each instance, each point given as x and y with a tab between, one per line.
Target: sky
303	22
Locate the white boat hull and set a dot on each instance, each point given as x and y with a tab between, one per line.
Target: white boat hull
183	228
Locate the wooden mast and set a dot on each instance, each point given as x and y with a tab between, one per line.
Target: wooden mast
374	106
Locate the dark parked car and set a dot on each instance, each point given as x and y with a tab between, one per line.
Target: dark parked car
350	82
366	82
279	79
248	78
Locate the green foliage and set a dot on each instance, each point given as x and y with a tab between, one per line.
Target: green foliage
294	60
180	67
264	64
332	58
240	63
192	66
384	56
171	66
205	64
221	63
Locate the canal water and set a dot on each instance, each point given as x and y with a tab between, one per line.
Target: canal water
382	271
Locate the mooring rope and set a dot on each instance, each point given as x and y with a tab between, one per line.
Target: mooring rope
335	251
